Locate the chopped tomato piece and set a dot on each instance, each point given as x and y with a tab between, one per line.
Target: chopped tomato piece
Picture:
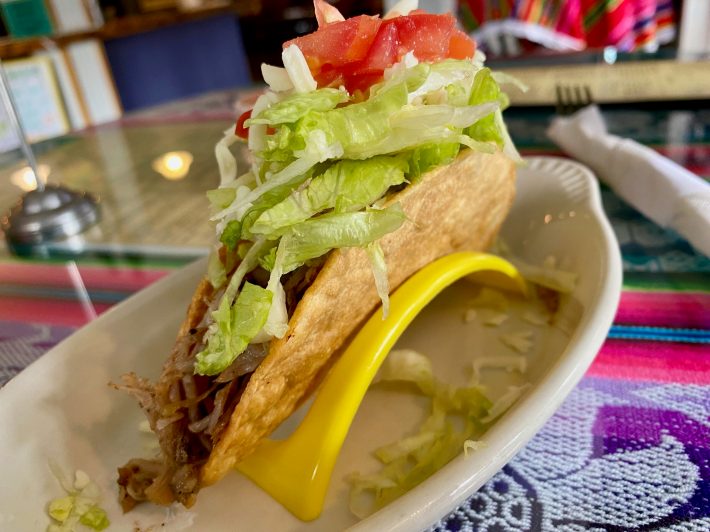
355	52
330	76
338	43
240	130
426	35
461	46
361	82
383	52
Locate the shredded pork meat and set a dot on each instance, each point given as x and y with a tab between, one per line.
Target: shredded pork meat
189	412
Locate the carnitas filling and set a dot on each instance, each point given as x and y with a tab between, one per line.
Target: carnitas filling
190	412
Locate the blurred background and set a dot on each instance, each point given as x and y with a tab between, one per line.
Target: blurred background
73	64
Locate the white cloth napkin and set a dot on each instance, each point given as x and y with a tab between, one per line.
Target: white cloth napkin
659	188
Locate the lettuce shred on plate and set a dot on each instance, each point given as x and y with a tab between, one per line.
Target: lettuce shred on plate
323	159
79	506
457	417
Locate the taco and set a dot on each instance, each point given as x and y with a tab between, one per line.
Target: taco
366	168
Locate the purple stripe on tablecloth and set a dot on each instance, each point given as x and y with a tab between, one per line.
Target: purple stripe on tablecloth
618	455
22	343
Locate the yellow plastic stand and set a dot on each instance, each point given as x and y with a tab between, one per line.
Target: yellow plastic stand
296	471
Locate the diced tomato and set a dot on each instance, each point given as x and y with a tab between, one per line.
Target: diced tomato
461	46
330	76
338	43
383	52
361	82
355	52
240	130
426	35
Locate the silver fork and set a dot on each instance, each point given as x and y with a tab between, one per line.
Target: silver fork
571	98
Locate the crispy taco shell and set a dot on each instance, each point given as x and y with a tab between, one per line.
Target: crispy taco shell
457	207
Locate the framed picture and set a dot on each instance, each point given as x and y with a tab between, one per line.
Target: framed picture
37	97
8	136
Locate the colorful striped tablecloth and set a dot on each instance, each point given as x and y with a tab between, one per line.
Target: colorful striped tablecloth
628	450
625	24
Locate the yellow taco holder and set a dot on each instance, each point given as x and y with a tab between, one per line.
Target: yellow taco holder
296	471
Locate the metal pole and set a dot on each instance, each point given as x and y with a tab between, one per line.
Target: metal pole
9	103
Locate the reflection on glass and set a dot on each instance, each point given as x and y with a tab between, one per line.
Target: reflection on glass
82	293
173	165
24	178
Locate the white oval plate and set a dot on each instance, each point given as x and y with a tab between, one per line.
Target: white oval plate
60	408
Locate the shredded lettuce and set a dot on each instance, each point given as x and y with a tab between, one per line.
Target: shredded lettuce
226	162
295	107
298	71
237	326
231	235
428	156
315	237
241	205
242	229
255	139
379	271
505	402
358	126
456	418
276	78
216	274
221	198
485	90
345	186
277	321
502	78
508	363
95	518
407	365
412	116
322	165
80	505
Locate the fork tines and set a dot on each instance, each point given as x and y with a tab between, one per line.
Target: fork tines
571	98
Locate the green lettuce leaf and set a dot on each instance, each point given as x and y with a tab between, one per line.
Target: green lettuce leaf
344	130
425	81
315	237
412	78
485	89
237	230
411	460
295	107
424	158
79	505
216	273
268	200
282	144
345	186
231	234
379	272
220	198
236	326
95	518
